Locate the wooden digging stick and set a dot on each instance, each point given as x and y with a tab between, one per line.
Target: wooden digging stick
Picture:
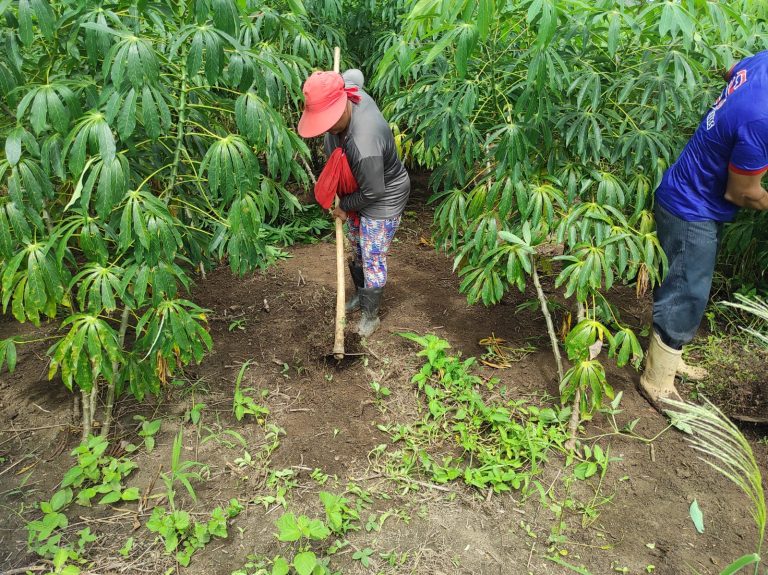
338	343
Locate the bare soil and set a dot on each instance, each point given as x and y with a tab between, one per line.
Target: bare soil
282	321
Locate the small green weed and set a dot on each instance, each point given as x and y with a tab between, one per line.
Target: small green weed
504	442
363	555
194	414
182	471
99	474
243	404
147	431
292	528
184	536
340	516
381	391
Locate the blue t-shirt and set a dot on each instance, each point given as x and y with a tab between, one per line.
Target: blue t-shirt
733	134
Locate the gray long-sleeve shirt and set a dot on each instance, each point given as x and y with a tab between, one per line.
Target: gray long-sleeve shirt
368	142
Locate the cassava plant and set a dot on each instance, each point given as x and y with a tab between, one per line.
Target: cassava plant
548	124
143	142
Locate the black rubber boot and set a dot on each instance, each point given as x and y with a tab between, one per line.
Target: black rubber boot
370	300
358	278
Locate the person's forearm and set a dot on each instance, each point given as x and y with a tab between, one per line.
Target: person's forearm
754	198
353	202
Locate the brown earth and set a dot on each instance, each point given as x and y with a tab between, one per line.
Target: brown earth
330	416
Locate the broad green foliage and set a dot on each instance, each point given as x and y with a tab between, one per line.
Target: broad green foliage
142	142
561	115
548	124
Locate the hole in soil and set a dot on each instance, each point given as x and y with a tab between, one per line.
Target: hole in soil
353	351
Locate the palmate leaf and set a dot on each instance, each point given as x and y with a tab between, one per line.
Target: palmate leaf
510	143
48	105
610	190
626	348
241	240
98	40
98	288
152	283
588	269
92	134
583	336
28	184
264	128
23	224
537	202
230	167
589	377
207	46
226	16
35	288
147	225
85	353
175	329
50	156
108	180
92	240
133	60
465	45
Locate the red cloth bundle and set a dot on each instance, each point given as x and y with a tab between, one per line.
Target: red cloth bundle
336	178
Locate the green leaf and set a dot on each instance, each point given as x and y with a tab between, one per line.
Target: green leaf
110	497
297	7
697	516
485	14
61	499
13	146
280	566
126	120
289	530
130	494
25	22
304	563
740	563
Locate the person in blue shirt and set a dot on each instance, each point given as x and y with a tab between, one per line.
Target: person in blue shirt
719	171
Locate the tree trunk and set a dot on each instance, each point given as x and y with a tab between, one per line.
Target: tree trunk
179	135
109	407
86	413
548	320
75	409
573	424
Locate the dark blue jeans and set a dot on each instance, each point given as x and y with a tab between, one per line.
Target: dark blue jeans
680	300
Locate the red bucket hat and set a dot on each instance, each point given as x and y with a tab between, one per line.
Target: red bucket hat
325	98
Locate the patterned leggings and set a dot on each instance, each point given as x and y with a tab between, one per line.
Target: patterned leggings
371	239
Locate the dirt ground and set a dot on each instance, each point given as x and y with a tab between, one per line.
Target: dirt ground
282	322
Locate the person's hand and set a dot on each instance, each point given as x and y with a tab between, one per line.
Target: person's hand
339	213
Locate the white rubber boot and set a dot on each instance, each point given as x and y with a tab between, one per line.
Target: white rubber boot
658	379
